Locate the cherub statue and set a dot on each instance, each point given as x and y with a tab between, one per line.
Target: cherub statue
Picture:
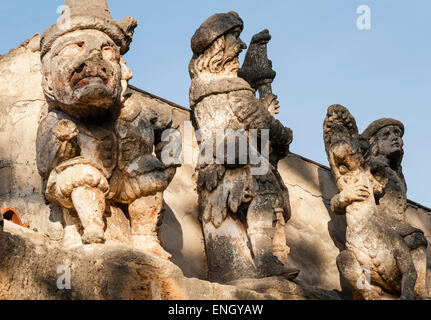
374	247
239	208
96	145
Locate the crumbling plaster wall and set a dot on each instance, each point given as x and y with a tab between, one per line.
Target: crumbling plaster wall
314	234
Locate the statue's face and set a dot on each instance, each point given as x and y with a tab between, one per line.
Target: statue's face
85	70
389	141
233	45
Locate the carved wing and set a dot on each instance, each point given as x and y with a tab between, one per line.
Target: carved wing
340	127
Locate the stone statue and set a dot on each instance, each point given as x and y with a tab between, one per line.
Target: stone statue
377	257
239	209
386	140
95	147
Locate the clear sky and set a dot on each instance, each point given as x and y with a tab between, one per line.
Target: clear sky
321	57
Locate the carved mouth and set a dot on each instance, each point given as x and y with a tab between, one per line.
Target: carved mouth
89	80
84	76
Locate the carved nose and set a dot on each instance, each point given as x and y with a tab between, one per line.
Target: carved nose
92	71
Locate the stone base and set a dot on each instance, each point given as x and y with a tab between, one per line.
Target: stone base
32	267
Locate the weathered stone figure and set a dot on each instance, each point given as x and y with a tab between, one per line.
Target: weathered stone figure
386	140
239	209
373	246
95	147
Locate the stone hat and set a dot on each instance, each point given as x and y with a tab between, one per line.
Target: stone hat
374	127
90	14
213	28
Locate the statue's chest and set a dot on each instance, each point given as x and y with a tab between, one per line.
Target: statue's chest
100	145
116	146
393	201
214	113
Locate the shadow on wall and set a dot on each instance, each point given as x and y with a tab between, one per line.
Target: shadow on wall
172	236
336	226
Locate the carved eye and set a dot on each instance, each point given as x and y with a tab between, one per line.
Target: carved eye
385	134
109	53
397	133
72	50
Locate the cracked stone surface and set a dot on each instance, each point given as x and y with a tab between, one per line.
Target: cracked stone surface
29	265
314	234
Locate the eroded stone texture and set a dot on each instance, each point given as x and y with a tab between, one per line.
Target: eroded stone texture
32	267
95	147
242	212
385	138
23	105
314	234
375	248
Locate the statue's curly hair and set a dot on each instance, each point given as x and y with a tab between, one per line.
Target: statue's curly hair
213	61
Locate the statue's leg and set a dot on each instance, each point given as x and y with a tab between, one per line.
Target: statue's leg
145	219
280	248
404	260
261	218
419	256
418	244
90	205
355	276
229	257
71	237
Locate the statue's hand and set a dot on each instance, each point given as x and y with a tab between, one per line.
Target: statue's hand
280	143
355	193
65	130
272	104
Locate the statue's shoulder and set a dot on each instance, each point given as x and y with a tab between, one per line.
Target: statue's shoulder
148	109
52	118
200	89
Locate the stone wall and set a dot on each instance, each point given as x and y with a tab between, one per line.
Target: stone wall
314	234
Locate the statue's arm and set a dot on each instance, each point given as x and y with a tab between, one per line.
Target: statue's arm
56	143
338	205
255	115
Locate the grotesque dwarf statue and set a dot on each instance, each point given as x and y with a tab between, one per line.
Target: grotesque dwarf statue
95	147
377	257
239	208
386	140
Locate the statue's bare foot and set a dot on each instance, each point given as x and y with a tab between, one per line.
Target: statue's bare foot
374	293
408	296
72	238
150	246
93	236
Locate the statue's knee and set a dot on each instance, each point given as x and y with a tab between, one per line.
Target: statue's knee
416	240
346	260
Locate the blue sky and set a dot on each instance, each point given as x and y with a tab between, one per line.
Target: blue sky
318	52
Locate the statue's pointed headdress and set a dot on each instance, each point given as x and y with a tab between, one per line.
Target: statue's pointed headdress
90	14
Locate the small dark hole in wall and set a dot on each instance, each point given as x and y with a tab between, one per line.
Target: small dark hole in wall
8	215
